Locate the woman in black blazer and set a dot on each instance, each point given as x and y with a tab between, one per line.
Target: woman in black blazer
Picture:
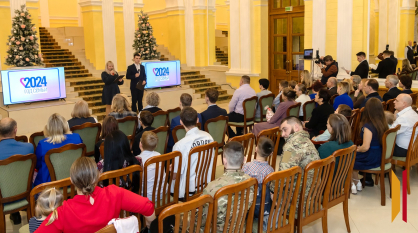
110	89
320	114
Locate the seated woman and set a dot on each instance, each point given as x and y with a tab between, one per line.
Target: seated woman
405	82
320	114
57	134
81	114
302	98
306	78
121	107
109	125
360	95
342	89
288	97
94	206
340	131
406	67
355	79
350	84
153	100
315	89
369	154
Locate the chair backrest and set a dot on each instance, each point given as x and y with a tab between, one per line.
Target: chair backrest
67	188
412	155
249	108
247	141
388	145
162	180
313	204
285	197
128	126
171	113
35	138
217	127
59	160
162	134
240	210
160	119
204	168
390	105
22	138
308	107
107	229
331	100
193	210
179	132
414	95
274	135
357	133
354	123
102	150
89	133
16	173
263	101
340	185
294	110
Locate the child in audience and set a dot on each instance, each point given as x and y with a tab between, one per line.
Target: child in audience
293	84
48	202
342	109
145	119
390	118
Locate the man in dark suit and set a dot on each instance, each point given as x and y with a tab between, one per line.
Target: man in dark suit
391	82
362	69
395	61
213	109
409	53
386	66
370	88
136	73
332	86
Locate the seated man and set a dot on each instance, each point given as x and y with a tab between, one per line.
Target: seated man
194	137
342	109
236	111
185	101
145	118
370	88
391	82
233	159
213	111
332	86
264	85
406	117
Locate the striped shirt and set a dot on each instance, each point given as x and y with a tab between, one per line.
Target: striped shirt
257	169
34	223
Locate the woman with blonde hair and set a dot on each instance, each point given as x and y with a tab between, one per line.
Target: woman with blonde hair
350	83
48	202
342	89
81	114
111	79
93	207
121	107
306	79
57	134
153	100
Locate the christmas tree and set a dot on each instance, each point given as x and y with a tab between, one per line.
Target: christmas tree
144	42
23	47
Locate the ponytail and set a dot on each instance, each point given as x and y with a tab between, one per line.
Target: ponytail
48	202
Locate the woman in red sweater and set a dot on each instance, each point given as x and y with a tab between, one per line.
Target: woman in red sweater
93	207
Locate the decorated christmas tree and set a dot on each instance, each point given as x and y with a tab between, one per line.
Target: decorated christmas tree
144	42
23	42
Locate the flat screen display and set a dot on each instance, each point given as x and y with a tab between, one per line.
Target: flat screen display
31	85
308	54
162	73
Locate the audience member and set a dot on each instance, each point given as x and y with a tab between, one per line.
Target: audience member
153	100
405	82
9	146
194	137
283	84
390	118
343	97
315	89
57	134
369	154
306	78
288	97
350	84
320	114
213	110
302	98
391	82
370	89
236	111
146	118
47	203
344	110
406	118
292	84
93	207
81	114
332	86
406	67
359	94
121	107
356	81
330	69
385	67
109	125
264	85
362	70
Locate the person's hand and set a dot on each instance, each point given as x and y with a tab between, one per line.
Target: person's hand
121	80
356	92
321	57
137	75
313	139
112	72
348	72
320	65
143	82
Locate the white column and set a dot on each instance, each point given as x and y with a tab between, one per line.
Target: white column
234	36
189	33
15	5
80	16
45	13
109	36
393	27
383	25
245	35
129	26
319	29
344	34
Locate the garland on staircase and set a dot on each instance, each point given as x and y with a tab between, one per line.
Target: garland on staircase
145	42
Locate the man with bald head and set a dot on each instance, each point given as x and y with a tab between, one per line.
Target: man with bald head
8	145
406	117
332	86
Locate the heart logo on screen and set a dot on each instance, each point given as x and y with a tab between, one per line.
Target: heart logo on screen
21	81
153	70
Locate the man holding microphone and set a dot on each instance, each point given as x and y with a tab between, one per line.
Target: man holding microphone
136	73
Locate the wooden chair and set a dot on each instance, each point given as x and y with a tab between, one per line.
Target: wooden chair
411	157
283	208
314	206
390	105
203	170
308	107
217	128
102	150
128	126
340	185
89	133
195	209
331	100
263	101
249	114
414	95
355	123
22	138
247	142
172	113
179	132
162	134
160	119
59	160
388	145
108	229
357	133
294	110
274	135
238	212
35	138
318	142
162	179
16	173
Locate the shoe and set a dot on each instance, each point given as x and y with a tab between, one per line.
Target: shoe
369	183
359	186
353	188
15	218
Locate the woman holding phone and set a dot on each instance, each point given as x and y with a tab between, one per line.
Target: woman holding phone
111	79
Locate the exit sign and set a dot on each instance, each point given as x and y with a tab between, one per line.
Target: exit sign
288	8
